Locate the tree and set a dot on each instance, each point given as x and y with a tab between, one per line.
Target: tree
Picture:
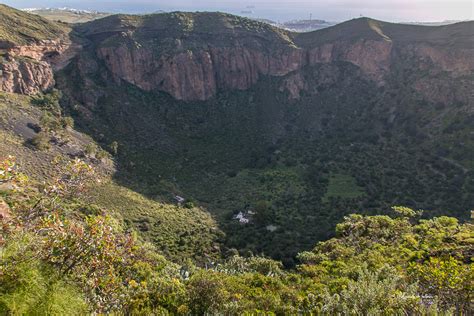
206	293
382	292
28	286
113	147
447	281
41	141
50	123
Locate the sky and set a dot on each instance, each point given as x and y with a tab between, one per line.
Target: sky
282	10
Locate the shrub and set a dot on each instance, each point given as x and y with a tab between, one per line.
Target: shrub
382	292
41	141
113	147
68	122
90	149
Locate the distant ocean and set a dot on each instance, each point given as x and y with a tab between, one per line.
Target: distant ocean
278	11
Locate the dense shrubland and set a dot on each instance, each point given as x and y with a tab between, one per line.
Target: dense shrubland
60	255
52	123
312	162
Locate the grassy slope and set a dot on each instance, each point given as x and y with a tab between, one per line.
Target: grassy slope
458	35
343	186
177	231
69	16
195	30
21	28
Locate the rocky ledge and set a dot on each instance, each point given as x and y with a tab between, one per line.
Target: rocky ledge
28	69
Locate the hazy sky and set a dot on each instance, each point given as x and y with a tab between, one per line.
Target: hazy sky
335	10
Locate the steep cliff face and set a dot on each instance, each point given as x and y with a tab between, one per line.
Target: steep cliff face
28	69
29	46
25	76
193	65
198	75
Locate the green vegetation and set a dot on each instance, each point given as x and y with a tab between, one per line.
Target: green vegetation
52	123
179	232
212	207
337	150
69	16
21	28
41	141
218	28
59	258
343	186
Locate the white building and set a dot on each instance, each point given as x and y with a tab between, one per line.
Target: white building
241	218
179	199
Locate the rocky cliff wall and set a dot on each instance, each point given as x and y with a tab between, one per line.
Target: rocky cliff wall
198	75
28	69
25	76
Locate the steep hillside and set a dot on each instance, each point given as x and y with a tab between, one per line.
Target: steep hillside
193	56
29	45
23	125
35	130
20	28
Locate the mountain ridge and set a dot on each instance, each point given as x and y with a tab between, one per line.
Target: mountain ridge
203	45
257	49
21	28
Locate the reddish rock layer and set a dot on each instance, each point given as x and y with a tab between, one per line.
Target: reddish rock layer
25	76
28	69
198	75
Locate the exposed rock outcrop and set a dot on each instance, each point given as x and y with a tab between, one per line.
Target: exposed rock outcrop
192	56
28	69
457	61
43	50
198	75
294	85
26	76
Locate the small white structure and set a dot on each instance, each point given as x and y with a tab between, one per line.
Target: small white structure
241	218
179	199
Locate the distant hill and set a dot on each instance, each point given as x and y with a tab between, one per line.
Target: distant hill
20	28
68	15
448	22
306	25
300	25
